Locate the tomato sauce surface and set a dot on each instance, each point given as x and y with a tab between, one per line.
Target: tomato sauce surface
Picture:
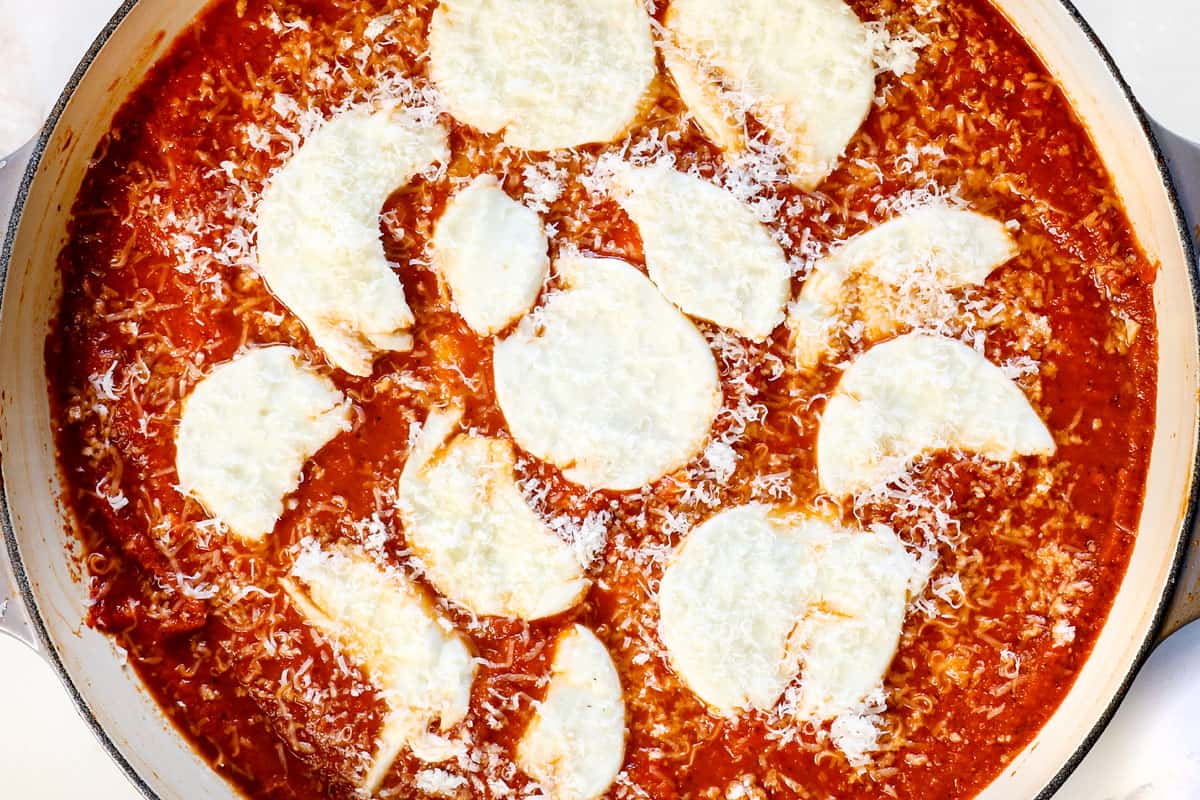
160	286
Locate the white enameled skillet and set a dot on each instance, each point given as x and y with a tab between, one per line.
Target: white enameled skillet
45	598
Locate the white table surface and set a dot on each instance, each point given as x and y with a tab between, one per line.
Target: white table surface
46	752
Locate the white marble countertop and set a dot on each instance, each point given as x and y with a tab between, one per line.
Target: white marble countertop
45	750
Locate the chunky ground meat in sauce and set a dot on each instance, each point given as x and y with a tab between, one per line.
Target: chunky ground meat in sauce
160	287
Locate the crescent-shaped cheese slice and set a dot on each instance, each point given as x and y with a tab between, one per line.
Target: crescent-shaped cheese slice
575	745
491	251
849	637
918	394
704	248
950	246
803	68
480	543
718	112
389	626
755	596
607	380
246	431
319	247
547	74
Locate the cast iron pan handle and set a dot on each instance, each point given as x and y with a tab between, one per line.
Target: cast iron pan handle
1183	158
12	168
14	619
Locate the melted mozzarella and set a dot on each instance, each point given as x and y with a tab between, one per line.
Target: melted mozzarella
699	86
607	380
480	543
949	246
918	394
386	623
319	247
247	430
546	74
491	251
803	68
755	596
705	249
575	745
849	637
729	601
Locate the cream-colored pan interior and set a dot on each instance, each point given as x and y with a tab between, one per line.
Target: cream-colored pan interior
107	687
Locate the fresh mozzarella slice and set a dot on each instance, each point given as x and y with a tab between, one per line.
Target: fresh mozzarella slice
247	430
803	68
547	73
918	394
729	601
607	380
480	543
575	745
491	251
755	596
705	249
319	247
386	623
711	106
950	246
849	637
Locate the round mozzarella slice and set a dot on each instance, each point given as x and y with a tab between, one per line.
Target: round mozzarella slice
729	601
575	745
918	394
319	247
547	73
949	246
705	249
755	596
491	251
803	68
607	380
246	431
480	543
388	625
